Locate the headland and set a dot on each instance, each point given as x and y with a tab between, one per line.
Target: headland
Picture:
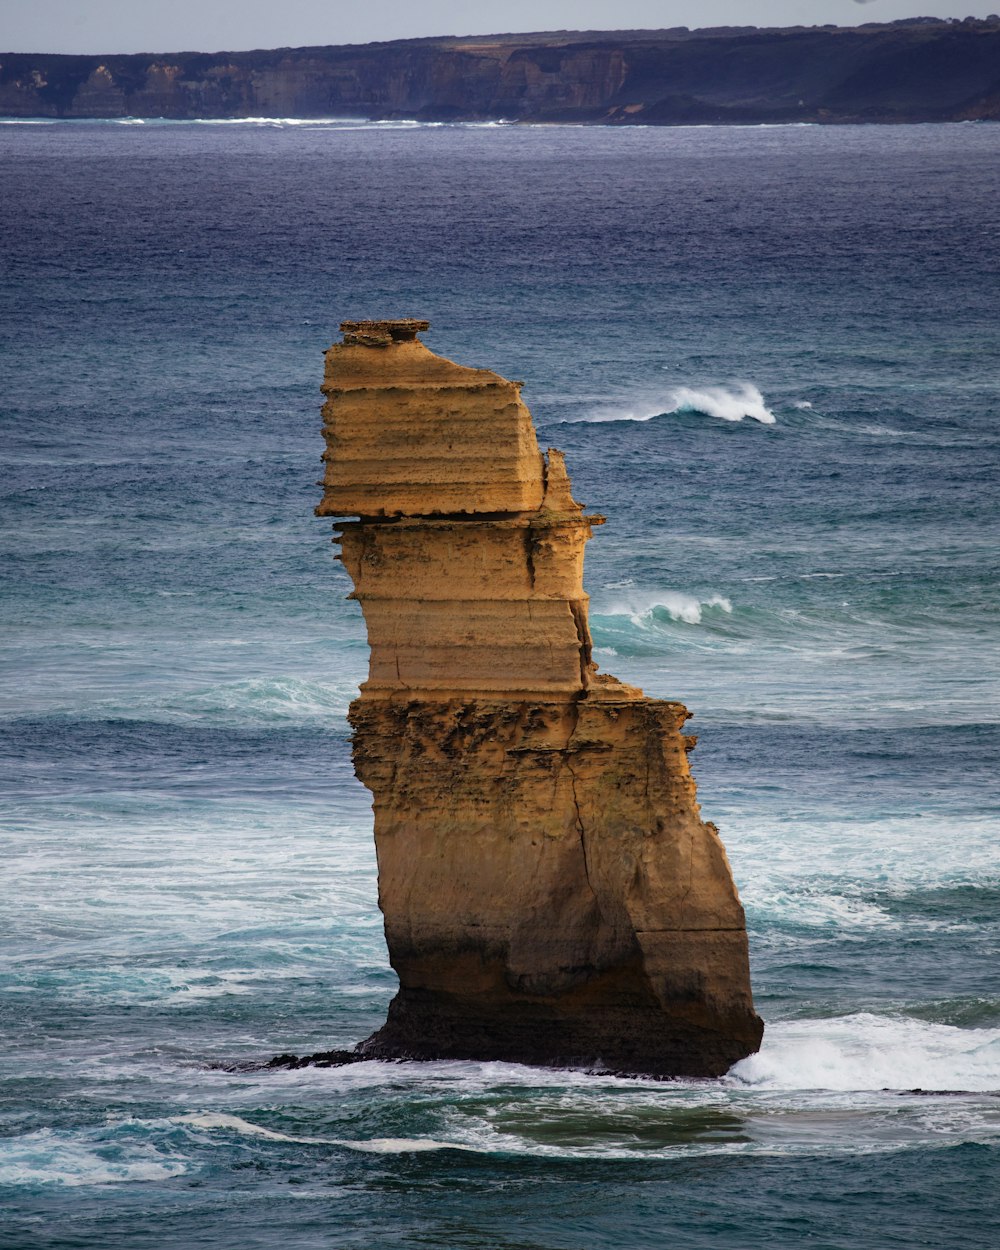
915	70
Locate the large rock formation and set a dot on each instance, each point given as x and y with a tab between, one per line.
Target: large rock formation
550	892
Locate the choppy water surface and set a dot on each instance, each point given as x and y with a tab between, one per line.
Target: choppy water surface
771	356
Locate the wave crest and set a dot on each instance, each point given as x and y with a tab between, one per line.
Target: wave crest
726	403
744	400
641	606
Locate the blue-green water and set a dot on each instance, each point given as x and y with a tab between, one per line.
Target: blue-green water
189	874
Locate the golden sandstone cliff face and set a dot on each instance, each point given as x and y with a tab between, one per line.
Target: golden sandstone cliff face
550	892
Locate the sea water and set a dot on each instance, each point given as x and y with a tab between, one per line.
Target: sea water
771	355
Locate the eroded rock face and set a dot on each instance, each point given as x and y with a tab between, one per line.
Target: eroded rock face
550	892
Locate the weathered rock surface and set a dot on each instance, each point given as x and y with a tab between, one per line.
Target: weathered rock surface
550	892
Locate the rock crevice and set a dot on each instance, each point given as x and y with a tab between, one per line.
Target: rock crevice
550	892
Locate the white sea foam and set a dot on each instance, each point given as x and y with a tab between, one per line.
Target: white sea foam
482	1109
830	1087
165	986
372	1145
727	403
268	121
640	605
184	989
47	1157
814	908
869	1052
236	1124
404	1145
308	123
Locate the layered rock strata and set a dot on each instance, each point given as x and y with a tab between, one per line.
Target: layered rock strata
550	892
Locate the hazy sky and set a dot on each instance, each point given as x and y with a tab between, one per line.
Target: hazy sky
212	25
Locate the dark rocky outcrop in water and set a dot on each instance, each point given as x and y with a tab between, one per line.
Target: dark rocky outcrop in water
551	894
922	69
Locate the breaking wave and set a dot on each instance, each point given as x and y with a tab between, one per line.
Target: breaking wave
867	1052
642	606
727	403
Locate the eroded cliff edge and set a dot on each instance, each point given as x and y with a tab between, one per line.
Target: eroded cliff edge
550	892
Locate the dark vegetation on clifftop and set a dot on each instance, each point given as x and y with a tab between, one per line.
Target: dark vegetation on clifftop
921	69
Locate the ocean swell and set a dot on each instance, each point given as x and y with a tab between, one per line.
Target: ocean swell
247	702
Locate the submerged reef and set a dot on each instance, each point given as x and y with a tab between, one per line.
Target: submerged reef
550	892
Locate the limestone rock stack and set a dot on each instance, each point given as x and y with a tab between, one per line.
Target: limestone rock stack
550	892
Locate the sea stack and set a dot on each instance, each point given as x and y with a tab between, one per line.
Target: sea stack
550	892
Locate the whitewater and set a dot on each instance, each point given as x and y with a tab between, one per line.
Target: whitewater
769	355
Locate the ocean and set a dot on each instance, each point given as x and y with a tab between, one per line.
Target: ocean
772	358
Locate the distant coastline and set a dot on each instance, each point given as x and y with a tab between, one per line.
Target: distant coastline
916	70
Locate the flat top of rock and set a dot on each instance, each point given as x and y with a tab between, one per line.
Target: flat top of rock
375	333
395	359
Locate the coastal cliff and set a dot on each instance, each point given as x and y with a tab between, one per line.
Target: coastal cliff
550	892
920	69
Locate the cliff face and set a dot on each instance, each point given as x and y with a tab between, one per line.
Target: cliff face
920	70
550	892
